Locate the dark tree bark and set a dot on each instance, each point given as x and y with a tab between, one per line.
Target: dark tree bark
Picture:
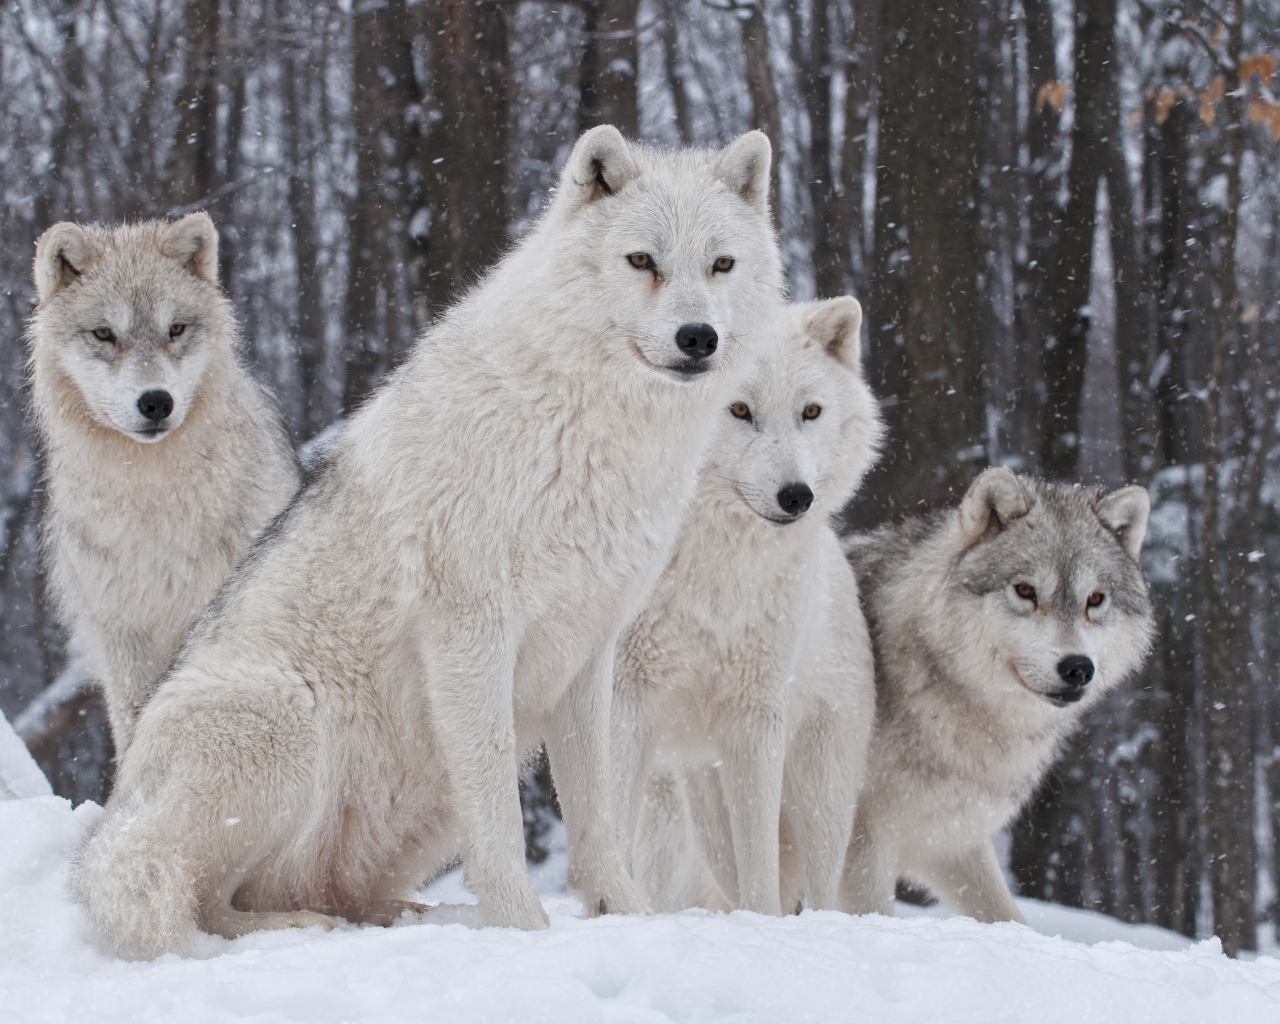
607	71
386	92
1033	289
464	154
860	97
925	314
761	87
668	26
1097	120
1229	814
815	67
193	161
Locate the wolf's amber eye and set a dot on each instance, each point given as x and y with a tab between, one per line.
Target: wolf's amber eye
1095	599
104	334
641	260
812	412
1025	591
723	265
741	410
176	330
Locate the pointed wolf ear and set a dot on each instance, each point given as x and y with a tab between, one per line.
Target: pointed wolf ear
193	241
1125	513
993	501
744	164
837	325
600	165
63	253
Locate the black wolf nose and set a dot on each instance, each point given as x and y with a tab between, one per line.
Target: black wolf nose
155	405
1076	670
697	341
795	499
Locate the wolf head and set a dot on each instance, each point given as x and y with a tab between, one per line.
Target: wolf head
131	318
805	427
674	249
1047	587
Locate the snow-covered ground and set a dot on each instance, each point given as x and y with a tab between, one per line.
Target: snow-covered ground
684	967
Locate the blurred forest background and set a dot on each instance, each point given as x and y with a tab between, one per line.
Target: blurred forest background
1063	219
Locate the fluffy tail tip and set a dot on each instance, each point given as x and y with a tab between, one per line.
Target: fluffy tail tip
137	891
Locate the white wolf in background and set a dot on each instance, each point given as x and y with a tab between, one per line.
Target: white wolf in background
997	626
749	673
165	457
449	587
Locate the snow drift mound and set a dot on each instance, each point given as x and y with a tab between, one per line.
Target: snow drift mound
684	967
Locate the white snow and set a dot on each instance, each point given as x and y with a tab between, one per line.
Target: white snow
20	776
692	966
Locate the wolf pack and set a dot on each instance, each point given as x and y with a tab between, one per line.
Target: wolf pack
594	510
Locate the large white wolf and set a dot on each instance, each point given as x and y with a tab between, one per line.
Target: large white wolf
997	626
749	673
165	457
450	586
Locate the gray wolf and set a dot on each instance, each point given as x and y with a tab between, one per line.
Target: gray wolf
749	676
165	458
449	586
997	626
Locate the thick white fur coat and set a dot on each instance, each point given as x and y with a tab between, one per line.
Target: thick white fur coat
140	529
748	678
449	588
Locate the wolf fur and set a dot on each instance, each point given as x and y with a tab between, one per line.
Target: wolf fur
449	587
145	517
997	626
749	673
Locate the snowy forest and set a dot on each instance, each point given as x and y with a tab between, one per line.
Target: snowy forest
1062	218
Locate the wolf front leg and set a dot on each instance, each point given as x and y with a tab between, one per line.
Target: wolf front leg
577	738
820	788
870	872
472	684
972	882
751	776
631	756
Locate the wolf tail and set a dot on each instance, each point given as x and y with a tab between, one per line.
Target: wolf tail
137	884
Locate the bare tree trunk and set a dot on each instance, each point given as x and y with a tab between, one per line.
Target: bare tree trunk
1229	733
607	71
859	100
385	92
764	94
925	316
668	26
193	161
1097	118
464	155
813	61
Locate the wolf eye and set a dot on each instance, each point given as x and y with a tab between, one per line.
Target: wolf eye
1095	599
723	265
741	410
175	331
1025	591
812	411
104	334
641	260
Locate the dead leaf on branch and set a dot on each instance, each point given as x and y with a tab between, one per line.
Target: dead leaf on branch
1053	93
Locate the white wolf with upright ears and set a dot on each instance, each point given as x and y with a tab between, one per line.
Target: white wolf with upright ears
997	626
449	587
165	458
750	672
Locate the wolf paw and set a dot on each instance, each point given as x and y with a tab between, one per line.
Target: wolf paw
620	897
520	910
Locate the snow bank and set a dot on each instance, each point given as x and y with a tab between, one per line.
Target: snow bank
20	776
684	967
